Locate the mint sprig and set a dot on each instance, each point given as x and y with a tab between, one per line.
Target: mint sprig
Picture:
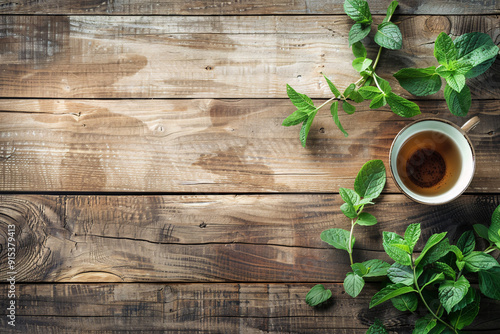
387	36
468	56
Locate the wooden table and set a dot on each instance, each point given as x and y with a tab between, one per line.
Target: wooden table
153	188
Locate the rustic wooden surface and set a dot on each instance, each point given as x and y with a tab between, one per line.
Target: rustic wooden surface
153	188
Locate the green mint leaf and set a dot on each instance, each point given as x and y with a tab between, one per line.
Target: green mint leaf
353	284
462	67
477	261
360	64
481	231
358	10
359	269
364	201
471	47
351	93
377	328
436	252
390	240
358	32
401	106
460	264
366	219
444	71
334	89
298	116
398	273
457	252
349	210
351	88
334	110
384	84
469	298
466	243
359	50
301	101
458	103
452	292
444	49
370	180
434	278
306	126
376	268
369	92
389	292
425	325
390	11
466	315
349	196
348	108
445	269
402	246
489	282
338	238
389	36
493	231
431	242
412	234
419	81
456	81
406	302
317	295
378	101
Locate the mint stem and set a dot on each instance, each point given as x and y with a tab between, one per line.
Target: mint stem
377	59
350	240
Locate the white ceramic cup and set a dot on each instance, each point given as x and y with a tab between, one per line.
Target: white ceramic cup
459	136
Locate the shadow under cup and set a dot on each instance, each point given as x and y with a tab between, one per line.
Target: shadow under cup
433	161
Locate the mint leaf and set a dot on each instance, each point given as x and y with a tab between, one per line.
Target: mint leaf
458	103
384	84
301	101
431	242
477	261
376	268
425	325
469	298
466	243
456	81
445	269
390	242
452	292
481	231
349	196
390	11
472	47
338	238
353	284
389	36
358	10
434	278
436	252
444	71
334	89
366	219
493	231
297	117
444	49
359	50
369	92
349	210
306	126
351	93
358	32
412	234
377	328
334	110
317	295
489	282
419	81
466	315
406	302
360	64
389	292
378	101
359	269
401	106
370	180
398	273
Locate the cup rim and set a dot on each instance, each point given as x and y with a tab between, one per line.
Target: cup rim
454	126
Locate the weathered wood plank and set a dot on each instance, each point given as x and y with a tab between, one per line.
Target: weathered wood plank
254	7
208	238
206	308
207	146
207	57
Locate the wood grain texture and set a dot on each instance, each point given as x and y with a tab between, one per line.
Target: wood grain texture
207	146
202	308
208	238
241	7
208	57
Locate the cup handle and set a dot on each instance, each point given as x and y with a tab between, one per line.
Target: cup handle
470	124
